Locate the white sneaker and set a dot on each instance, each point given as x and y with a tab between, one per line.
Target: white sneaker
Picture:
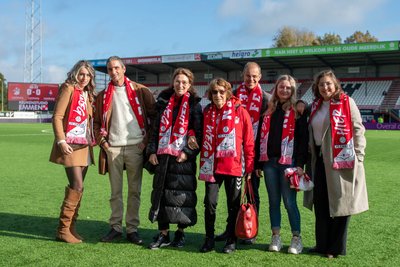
276	243
296	247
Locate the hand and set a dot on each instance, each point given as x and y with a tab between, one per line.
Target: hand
258	173
105	146
192	143
248	176
153	159
300	171
66	149
182	157
141	146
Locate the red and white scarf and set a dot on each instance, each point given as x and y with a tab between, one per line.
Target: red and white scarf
219	137
171	140
133	100
287	143
77	125
252	102
341	131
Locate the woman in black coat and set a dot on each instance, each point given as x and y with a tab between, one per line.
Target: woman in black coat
179	118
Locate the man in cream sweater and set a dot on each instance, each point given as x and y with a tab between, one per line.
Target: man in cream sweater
123	112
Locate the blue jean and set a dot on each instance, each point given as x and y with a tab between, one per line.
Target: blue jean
279	187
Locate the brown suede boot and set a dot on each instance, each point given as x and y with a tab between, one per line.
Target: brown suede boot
72	227
68	207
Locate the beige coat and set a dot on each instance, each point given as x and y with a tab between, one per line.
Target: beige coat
347	191
60	118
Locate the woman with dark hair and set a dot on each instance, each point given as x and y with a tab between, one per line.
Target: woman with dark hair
179	118
337	145
72	147
228	146
282	143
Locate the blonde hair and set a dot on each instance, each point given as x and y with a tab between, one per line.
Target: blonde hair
290	103
72	77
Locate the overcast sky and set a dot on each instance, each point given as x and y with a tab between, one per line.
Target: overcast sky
96	29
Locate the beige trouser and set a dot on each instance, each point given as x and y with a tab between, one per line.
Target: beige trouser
132	157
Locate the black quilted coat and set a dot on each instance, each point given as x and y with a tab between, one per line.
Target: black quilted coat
173	199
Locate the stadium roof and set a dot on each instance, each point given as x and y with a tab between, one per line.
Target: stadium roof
332	56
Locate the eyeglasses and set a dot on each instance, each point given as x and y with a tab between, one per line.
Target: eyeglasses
215	92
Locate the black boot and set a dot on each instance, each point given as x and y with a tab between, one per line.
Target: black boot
208	245
179	239
230	245
222	237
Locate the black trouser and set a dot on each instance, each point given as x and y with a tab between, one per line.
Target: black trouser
233	187
165	226
330	232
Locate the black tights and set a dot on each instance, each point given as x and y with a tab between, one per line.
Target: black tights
76	176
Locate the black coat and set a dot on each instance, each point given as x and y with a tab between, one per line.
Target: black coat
173	199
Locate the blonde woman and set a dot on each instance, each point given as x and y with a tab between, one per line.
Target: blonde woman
282	143
72	147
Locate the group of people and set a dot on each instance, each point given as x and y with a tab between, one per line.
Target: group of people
242	134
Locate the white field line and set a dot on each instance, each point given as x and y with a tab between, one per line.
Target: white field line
43	132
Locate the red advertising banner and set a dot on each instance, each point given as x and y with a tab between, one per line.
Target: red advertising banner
32	96
142	60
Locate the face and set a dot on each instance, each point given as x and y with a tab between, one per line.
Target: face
326	87
284	90
300	107
219	96
83	77
251	77
181	84
116	72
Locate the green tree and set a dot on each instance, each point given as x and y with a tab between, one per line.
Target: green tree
3	91
329	39
291	37
360	37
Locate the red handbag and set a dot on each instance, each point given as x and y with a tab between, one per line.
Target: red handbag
247	219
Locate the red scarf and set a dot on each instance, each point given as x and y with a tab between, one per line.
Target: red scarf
252	102
287	143
219	123
341	131
77	125
133	100
171	140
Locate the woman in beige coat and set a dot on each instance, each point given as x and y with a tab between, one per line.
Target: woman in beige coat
72	147
337	145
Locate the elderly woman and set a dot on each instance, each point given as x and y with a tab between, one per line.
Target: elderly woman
337	144
72	147
173	199
228	145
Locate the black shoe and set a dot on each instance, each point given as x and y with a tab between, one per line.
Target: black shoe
134	238
315	250
249	241
208	245
222	237
161	241
230	246
179	239
111	236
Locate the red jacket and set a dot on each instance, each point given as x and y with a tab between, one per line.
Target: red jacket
244	143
